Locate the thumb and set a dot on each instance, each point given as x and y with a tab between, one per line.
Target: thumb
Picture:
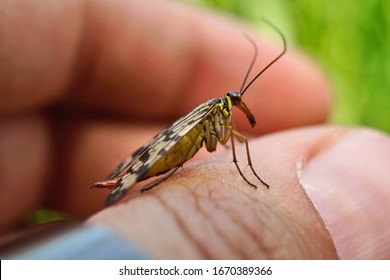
346	177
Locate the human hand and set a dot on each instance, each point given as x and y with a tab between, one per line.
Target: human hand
88	82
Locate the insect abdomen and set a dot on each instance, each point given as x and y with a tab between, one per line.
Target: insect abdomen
182	151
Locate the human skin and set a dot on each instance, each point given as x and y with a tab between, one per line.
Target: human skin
88	82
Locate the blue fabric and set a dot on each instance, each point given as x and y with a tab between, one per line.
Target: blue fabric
81	243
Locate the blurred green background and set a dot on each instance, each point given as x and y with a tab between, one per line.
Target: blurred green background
349	39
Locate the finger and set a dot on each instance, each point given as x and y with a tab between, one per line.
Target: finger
347	179
24	165
122	58
151	68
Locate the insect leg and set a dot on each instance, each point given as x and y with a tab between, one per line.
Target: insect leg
210	137
245	140
159	180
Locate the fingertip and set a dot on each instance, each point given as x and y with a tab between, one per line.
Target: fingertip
347	180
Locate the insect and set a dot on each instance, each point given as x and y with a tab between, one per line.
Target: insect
208	124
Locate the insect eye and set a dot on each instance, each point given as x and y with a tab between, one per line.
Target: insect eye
234	96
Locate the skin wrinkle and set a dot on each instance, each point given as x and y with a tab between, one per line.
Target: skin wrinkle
295	230
169	218
261	221
273	250
198	246
250	233
211	222
214	223
266	210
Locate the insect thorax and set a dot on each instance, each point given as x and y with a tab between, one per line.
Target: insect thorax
217	124
214	128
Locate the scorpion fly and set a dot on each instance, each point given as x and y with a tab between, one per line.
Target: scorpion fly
208	124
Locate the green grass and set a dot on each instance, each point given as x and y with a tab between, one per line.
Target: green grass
349	39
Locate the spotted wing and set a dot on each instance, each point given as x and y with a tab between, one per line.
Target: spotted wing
145	157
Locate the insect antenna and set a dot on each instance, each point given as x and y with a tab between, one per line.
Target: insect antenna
242	91
252	62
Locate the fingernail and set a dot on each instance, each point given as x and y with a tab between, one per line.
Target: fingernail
348	181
